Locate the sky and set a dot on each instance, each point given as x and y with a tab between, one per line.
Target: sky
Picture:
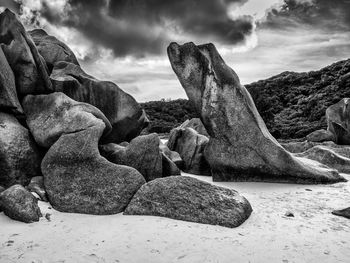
125	41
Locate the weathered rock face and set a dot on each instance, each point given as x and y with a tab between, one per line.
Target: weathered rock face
189	199
49	116
36	185
328	156
320	136
79	180
344	212
338	120
76	178
190	145
142	153
28	66
8	94
121	109
172	155
51	49
195	124
240	147
19	156
18	204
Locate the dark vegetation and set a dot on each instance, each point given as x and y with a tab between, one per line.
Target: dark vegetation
167	114
292	104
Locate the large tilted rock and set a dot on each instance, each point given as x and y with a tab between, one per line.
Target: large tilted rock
19	156
344	212
51	49
77	178
240	147
338	120
142	153
49	116
190	145
29	68
8	94
18	204
189	199
121	109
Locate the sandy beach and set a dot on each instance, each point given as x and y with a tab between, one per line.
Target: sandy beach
312	235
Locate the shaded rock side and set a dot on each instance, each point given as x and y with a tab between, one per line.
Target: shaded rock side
36	185
18	204
19	156
29	68
120	108
189	199
142	153
343	212
51	49
50	116
195	124
240	147
8	94
338	121
172	155
190	145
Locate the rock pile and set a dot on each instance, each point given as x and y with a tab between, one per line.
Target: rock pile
74	141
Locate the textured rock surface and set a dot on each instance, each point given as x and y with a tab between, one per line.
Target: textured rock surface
19	156
338	120
121	109
49	116
172	155
79	180
142	153
195	124
189	199
36	185
320	136
51	49
328	156
76	177
28	66
8	94
18	204
240	146
344	212
190	145
169	168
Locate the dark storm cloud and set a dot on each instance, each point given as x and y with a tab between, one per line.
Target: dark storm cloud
140	27
321	14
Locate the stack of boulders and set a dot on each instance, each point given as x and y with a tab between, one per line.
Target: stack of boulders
72	140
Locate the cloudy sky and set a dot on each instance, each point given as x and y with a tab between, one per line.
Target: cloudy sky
125	40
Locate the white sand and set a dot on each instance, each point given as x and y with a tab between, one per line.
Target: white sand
313	235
